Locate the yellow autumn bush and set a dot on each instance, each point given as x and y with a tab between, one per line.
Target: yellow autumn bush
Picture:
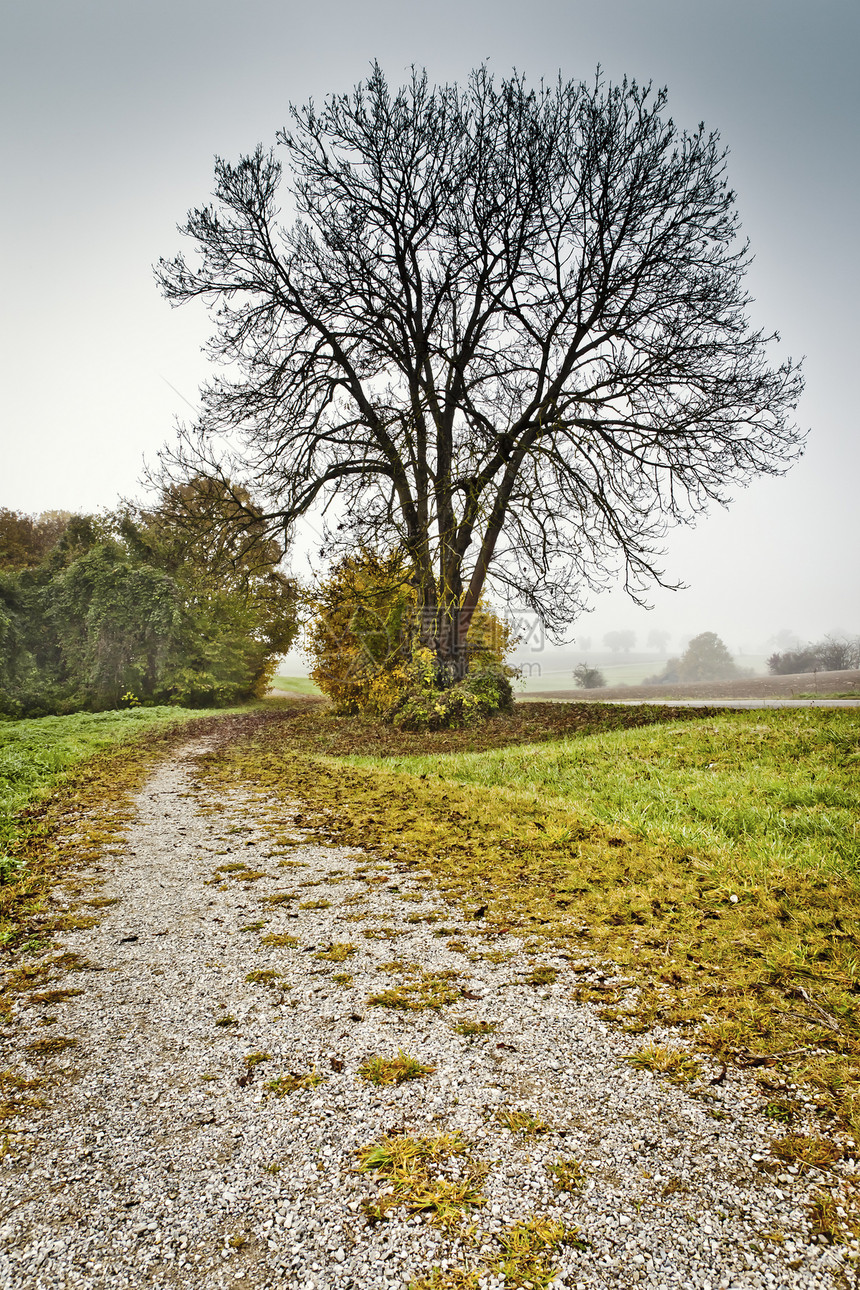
367	656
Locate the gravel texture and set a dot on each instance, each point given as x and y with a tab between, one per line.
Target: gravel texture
162	1158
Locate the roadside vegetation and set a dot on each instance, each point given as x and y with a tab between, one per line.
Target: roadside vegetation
52	771
713	857
36	755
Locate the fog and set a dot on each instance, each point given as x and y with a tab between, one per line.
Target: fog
113	113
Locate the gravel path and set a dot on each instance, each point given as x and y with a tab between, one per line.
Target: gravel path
165	1157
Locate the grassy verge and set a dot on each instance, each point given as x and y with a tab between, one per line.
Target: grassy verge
53	770
35	755
826	694
755	791
716	859
296	685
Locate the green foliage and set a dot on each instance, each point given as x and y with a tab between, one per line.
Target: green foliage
485	689
26	540
139	608
368	655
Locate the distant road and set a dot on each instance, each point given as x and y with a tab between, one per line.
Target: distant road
798	691
579	697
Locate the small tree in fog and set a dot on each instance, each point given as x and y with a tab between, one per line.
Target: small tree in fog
658	640
706	658
588	678
622	640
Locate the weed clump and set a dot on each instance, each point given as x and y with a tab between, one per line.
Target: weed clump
281	940
428	991
264	976
531	1126
72	922
677	1066
256	1059
393	1070
828	1218
339	952
17	1094
782	1110
568	1175
449	1279
294	1081
795	1148
528	1249
53	996
433	1176
51	1046
472	1029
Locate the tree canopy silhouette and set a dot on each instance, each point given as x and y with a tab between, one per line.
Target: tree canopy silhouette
506	329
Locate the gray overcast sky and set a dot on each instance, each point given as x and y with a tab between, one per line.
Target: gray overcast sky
114	109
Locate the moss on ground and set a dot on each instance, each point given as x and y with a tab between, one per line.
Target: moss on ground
743	929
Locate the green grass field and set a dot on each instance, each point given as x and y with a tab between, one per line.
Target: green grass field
776	787
36	754
296	684
50	766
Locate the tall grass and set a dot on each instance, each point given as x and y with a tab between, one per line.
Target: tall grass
781	787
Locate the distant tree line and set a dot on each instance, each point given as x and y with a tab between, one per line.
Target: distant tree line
170	605
832	654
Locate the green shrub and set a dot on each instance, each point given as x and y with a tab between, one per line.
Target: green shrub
485	690
139	605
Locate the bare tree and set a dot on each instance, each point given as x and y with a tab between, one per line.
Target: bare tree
506	330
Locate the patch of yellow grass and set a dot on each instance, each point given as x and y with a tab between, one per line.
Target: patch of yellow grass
393	1070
